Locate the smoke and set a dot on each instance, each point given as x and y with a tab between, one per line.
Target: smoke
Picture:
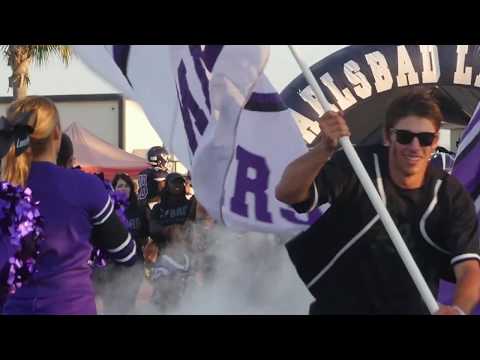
250	274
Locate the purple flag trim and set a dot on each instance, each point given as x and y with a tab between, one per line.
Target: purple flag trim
120	56
269	102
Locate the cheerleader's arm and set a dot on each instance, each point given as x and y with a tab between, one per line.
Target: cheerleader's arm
111	235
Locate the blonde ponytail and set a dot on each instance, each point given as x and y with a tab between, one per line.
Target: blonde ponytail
43	119
15	169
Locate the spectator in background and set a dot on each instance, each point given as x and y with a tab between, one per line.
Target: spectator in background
137	224
118	287
157	156
169	252
171	213
151	182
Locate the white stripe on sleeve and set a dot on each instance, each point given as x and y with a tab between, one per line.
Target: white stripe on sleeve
122	246
106	216
464	257
128	257
109	200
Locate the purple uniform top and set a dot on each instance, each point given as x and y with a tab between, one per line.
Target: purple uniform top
72	204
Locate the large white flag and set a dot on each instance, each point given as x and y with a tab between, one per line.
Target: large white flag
143	74
215	109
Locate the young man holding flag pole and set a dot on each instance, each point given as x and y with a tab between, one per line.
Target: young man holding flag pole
412	134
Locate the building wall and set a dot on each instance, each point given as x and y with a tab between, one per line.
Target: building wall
139	134
450	135
101	117
455	135
445	139
119	121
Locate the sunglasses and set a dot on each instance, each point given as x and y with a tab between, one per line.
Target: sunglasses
405	137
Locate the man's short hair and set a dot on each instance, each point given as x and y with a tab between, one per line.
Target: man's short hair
418	103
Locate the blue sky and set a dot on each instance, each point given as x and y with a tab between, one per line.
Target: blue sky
56	79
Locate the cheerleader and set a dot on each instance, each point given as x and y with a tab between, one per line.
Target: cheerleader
76	211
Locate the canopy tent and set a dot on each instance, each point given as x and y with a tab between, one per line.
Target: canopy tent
362	80
95	155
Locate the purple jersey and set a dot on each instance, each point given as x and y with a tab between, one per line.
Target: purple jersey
72	203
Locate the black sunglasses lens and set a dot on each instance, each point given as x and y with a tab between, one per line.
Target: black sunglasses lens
404	137
425	139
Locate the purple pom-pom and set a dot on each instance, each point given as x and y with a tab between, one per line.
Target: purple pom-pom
22	224
121	203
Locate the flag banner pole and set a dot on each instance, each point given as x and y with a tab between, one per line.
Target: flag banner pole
373	195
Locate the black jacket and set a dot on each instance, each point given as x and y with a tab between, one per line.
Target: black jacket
347	259
138	224
171	210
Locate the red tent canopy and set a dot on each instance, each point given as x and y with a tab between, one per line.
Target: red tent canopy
96	155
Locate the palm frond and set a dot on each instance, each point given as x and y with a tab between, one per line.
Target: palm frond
19	57
4	49
41	53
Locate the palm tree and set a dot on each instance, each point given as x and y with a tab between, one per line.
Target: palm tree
20	57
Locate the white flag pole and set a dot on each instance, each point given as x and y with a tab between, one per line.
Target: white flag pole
373	195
